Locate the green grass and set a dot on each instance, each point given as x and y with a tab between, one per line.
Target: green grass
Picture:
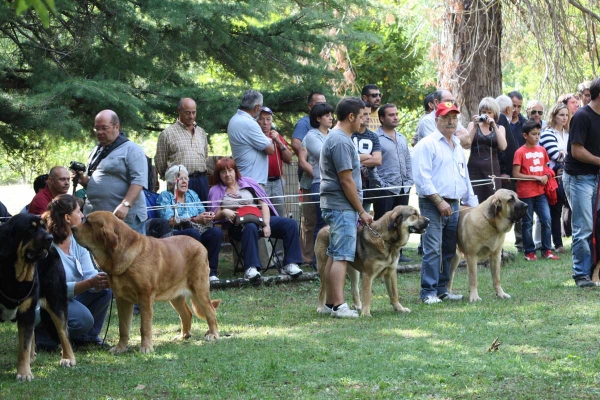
275	345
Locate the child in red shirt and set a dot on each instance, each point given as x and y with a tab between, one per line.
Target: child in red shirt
528	164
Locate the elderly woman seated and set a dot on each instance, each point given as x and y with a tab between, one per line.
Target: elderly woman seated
230	193
192	218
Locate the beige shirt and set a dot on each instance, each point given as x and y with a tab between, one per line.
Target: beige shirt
176	145
374	123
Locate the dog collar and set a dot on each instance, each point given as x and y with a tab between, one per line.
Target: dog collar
19	301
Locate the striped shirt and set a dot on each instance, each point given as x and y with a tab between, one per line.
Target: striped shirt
176	145
555	144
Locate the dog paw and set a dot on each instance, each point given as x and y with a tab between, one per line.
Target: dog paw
118	350
66	362
503	295
182	337
403	309
211	336
146	349
25	377
474	299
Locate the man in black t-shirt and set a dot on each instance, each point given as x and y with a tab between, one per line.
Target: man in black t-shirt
580	180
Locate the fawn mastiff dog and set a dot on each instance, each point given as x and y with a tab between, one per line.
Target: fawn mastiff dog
376	255
143	269
31	272
481	232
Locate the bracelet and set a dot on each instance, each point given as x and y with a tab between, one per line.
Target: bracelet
438	199
360	213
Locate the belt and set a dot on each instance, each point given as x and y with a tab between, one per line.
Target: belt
449	201
197	174
273	178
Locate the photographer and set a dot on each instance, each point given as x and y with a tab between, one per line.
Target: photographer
117	173
487	140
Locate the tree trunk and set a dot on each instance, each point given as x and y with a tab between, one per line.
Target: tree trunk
470	65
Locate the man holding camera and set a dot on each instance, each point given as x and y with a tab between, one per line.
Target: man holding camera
57	183
117	173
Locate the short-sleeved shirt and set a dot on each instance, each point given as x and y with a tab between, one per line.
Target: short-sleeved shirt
248	144
374	122
177	146
532	161
40	202
124	166
366	142
313	141
584	129
338	154
302	127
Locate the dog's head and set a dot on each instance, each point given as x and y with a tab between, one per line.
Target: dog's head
103	235
409	218
505	205
23	242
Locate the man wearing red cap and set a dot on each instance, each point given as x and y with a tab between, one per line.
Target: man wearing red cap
442	181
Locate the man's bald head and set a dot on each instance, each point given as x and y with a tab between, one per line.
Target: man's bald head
58	181
106	126
186	109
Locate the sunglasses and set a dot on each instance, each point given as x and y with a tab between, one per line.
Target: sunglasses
375	94
533	112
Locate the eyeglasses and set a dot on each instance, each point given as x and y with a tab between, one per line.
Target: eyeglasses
375	94
533	112
102	128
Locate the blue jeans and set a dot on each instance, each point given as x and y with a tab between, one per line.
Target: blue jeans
86	314
285	229
315	189
439	246
539	204
342	236
581	194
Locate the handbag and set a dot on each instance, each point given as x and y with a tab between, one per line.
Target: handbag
249	214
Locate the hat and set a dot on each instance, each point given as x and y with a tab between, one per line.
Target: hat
445	107
267	110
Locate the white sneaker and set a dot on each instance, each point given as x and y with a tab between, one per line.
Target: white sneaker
292	270
344	311
450	296
213	278
251	274
431	300
326	310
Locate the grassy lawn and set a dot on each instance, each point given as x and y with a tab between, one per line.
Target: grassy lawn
275	345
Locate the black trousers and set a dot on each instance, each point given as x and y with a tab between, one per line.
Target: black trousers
387	203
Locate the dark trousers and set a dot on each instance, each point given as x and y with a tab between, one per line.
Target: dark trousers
285	229
556	223
385	204
199	184
211	239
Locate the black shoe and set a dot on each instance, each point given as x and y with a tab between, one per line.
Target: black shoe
404	259
420	251
585	281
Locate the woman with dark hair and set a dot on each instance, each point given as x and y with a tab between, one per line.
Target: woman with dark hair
554	139
321	119
232	192
87	288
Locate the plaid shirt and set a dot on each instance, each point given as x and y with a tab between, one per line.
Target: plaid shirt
176	145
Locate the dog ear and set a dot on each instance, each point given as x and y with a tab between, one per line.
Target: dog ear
494	208
6	240
394	222
111	240
498	206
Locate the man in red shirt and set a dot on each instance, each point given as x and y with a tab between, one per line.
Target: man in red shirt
59	181
283	154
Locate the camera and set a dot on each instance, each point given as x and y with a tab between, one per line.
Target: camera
77	166
482	118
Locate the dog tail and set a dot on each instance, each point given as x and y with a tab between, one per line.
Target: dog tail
198	309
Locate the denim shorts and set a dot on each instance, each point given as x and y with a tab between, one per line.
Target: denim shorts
342	237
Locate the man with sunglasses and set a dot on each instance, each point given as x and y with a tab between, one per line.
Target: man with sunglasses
372	95
427	124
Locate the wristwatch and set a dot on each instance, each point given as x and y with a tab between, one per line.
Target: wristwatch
126	204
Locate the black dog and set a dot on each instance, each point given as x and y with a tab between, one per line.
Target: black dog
31	272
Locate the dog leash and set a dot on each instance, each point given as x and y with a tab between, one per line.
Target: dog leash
373	231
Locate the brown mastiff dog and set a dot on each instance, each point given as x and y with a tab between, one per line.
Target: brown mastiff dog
143	270
481	232
376	255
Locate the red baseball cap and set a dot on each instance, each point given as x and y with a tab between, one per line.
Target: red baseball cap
445	107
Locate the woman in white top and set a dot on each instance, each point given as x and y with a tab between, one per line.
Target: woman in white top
554	138
321	119
87	288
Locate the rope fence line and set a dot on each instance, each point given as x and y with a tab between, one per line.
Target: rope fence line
479	182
